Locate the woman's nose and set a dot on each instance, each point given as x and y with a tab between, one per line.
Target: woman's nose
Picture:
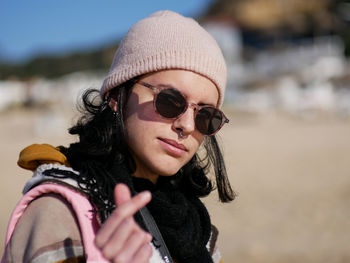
185	122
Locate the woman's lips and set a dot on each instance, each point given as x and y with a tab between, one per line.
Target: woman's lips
172	146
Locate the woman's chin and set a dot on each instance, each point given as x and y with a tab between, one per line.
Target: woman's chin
168	171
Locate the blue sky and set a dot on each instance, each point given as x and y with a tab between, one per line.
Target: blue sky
31	27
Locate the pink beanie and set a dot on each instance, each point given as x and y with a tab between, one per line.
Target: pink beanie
167	40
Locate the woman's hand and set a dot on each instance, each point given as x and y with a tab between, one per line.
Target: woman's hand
120	238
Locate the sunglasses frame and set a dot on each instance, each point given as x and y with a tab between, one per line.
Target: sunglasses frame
196	108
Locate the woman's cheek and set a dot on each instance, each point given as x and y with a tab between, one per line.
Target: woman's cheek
148	153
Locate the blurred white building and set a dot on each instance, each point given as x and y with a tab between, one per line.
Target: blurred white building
298	78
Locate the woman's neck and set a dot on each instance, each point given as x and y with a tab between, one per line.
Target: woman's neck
145	174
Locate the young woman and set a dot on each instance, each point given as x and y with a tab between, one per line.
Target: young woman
129	190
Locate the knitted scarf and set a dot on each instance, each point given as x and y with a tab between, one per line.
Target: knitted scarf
182	220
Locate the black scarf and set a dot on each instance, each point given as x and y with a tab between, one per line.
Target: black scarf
182	218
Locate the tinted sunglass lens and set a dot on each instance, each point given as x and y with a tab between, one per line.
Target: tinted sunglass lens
170	103
208	120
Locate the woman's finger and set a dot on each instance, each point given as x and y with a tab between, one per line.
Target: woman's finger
136	241
127	209
127	205
116	242
143	254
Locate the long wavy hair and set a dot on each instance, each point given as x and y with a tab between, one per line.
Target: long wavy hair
102	145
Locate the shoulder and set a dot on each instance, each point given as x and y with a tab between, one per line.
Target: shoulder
47	226
212	245
52	211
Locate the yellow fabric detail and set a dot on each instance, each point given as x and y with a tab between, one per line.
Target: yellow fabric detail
79	259
36	154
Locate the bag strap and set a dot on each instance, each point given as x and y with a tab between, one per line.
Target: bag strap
157	241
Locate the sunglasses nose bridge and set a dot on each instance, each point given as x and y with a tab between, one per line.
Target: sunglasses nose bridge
193	106
186	120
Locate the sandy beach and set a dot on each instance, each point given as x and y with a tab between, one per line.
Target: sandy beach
292	177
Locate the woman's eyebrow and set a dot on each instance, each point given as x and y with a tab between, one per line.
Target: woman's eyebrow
207	104
199	104
168	85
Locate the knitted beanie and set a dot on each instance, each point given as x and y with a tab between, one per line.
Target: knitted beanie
167	40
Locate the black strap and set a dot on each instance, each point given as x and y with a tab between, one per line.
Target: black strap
157	241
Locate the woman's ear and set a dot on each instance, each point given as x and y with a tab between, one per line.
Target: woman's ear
113	104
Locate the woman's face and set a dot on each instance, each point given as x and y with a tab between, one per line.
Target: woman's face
155	142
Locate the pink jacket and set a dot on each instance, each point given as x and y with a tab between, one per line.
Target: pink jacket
88	222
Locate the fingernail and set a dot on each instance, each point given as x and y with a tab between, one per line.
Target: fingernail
146	195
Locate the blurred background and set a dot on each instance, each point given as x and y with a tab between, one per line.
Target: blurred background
287	146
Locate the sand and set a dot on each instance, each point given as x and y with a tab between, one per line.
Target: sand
292	176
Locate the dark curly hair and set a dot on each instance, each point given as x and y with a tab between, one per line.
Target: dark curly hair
102	146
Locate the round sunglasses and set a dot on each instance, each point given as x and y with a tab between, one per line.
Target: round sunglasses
171	104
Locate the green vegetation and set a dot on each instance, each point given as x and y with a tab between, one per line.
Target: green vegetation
51	66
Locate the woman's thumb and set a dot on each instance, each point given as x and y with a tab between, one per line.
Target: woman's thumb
121	194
